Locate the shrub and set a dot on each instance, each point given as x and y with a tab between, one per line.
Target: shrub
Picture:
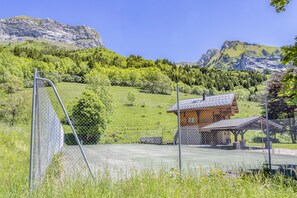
198	90
155	82
131	99
100	84
258	139
89	117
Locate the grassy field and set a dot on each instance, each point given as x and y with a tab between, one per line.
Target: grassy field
276	145
150	108
14	165
148	117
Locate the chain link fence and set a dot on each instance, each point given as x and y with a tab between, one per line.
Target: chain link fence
48	139
283	141
124	127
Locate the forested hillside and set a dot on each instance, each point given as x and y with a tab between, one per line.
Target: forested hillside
17	61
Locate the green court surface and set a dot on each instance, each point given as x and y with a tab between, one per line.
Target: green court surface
126	157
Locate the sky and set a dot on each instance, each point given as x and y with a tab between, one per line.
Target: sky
179	30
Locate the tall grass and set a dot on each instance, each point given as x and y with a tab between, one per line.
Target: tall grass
14	167
14	160
172	184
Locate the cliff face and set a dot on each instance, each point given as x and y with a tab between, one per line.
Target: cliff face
23	28
204	59
242	56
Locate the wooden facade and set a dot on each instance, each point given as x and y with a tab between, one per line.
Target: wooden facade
205	116
198	113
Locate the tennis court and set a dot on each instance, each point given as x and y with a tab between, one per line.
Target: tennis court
126	157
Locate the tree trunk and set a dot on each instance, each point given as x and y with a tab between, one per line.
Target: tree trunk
292	130
295	135
13	117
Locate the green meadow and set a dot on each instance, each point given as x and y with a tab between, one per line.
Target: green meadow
148	113
149	110
147	117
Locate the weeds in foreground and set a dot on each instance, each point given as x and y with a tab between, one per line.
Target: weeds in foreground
172	184
14	166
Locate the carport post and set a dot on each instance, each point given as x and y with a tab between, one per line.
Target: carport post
267	134
178	129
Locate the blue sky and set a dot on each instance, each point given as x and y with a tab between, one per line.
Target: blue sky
180	30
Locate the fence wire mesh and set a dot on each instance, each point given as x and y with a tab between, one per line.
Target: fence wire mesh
125	127
282	112
48	136
212	137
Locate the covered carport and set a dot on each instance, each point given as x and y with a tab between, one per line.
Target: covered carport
240	126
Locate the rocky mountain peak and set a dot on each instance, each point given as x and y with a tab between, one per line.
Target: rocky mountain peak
232	44
22	28
229	44
204	59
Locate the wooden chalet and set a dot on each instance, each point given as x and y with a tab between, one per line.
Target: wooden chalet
207	121
200	112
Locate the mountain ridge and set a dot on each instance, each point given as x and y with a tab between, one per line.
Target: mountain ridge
245	56
21	28
241	56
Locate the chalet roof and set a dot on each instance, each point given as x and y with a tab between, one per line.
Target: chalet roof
199	103
249	123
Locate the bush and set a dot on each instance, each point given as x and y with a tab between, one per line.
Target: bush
89	117
54	77
242	94
100	84
185	88
258	139
198	90
71	78
11	84
131	99
157	83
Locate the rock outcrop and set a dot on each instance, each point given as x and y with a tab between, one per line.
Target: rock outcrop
242	56
204	59
24	28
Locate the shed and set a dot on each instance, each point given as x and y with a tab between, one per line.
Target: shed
240	126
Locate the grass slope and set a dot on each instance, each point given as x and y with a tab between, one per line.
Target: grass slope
148	117
149	111
239	48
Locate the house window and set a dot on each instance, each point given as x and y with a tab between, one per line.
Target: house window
190	120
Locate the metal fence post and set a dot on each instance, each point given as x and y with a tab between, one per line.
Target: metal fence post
38	129
32	131
178	128
267	133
